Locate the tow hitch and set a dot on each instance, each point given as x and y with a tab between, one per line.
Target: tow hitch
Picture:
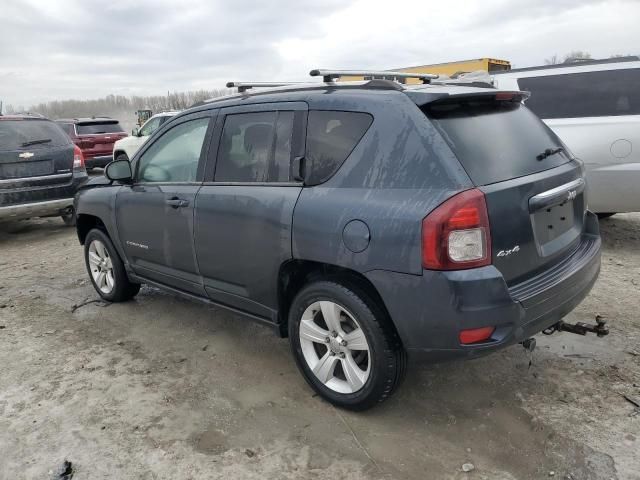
580	328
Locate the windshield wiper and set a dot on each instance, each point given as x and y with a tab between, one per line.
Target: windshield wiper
35	142
548	152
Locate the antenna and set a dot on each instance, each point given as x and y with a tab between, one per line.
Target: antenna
331	75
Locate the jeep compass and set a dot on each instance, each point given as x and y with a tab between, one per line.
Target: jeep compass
370	222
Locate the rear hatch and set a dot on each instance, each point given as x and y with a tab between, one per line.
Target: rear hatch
534	190
96	137
34	154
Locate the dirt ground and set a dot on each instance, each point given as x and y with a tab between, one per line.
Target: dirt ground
161	388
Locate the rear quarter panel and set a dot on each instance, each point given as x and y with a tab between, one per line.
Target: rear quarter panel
400	171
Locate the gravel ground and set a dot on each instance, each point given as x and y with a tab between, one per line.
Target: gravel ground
162	388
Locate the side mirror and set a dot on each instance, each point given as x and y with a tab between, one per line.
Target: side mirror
119	171
135	132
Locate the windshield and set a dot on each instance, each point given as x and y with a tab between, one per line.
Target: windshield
95	128
496	140
31	134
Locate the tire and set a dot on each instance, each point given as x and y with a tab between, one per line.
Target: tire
122	156
69	219
602	216
114	286
380	361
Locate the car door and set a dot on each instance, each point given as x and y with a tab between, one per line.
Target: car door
244	209
155	214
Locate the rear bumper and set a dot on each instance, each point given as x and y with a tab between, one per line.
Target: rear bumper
36	209
430	310
37	200
100	161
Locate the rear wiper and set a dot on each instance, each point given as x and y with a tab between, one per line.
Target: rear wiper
35	142
548	152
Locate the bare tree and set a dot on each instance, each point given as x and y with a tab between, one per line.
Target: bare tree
552	60
576	55
120	107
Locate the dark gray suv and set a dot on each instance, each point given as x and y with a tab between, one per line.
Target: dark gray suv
367	221
40	169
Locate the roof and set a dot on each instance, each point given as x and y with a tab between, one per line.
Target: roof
87	120
166	114
580	63
23	116
350	94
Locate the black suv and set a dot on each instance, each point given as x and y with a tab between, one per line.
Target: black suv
367	221
40	169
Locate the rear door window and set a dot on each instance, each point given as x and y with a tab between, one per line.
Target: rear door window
256	147
586	94
31	134
331	137
96	128
495	140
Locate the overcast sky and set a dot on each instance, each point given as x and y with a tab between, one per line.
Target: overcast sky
59	49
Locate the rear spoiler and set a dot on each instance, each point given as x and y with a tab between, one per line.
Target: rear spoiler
423	97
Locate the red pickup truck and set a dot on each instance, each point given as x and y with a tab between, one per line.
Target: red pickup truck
95	136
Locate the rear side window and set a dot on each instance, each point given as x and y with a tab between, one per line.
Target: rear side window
331	137
587	94
495	140
31	134
95	128
256	147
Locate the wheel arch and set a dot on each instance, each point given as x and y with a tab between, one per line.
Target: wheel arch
85	223
295	274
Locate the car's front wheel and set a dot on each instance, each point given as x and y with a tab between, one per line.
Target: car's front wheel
344	346
106	269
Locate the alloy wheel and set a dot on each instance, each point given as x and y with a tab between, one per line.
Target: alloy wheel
101	266
335	347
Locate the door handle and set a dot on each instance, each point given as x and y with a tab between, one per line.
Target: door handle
176	202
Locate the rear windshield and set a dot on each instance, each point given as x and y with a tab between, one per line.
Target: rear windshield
495	140
31	134
95	128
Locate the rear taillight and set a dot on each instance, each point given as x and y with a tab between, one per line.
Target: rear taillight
456	235
78	158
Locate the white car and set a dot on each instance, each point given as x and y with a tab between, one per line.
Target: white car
126	148
594	107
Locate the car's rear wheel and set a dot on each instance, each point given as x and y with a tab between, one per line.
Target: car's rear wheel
344	346
106	269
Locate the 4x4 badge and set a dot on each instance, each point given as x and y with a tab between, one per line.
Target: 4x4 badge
506	253
26	155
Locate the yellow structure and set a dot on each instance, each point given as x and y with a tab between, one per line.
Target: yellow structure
448	68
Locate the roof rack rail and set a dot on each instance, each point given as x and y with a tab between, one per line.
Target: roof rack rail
330	75
244	86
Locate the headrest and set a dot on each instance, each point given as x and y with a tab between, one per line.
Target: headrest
258	136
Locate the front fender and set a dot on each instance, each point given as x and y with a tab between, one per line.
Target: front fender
96	204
